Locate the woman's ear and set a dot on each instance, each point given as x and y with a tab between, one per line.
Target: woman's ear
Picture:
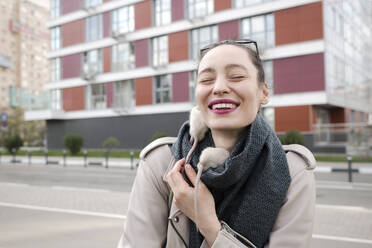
265	93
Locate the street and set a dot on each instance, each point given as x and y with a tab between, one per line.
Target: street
52	206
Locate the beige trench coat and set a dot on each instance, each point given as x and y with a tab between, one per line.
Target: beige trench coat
150	222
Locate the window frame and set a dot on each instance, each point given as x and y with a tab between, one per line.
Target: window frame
195	49
116	22
268	31
55	38
118	61
90	25
191	8
162	11
56	70
55	9
92	102
119	94
162	89
157	54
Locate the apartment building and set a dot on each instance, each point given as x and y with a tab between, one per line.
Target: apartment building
24	42
127	68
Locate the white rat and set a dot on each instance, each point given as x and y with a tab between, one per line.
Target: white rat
210	157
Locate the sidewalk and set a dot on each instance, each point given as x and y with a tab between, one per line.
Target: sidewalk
322	167
71	161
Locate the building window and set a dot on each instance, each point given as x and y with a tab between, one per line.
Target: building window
124	94
163	89
92	64
55	41
96	96
93	28
92	3
160	50
269	115
123	57
123	20
269	75
192	85
56	70
56	100
201	37
260	29
162	11
55	8
199	8
244	3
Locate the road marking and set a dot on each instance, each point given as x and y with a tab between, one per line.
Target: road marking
345	239
61	210
323	169
15	184
344	208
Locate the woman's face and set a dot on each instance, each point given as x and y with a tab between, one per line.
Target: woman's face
227	92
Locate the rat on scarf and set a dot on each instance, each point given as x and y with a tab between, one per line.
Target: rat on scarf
211	157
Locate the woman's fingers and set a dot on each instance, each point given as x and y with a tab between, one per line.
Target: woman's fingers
191	174
175	178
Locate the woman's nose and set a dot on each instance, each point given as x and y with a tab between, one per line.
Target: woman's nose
220	86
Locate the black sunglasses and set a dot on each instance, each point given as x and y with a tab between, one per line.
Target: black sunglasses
244	42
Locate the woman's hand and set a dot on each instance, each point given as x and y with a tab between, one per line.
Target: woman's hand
183	197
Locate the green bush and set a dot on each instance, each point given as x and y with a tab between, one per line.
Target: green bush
292	137
73	142
110	143
158	135
13	142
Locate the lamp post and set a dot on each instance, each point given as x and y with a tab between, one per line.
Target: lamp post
349	167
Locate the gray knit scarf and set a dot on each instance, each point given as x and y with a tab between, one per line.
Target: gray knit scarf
250	187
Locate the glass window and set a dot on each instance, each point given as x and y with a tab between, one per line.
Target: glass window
163	89
93	28
55	38
92	64
124	94
92	3
269	115
123	57
56	100
162	12
160	50
269	75
201	37
123	20
96	96
192	85
199	8
261	29
56	70
55	8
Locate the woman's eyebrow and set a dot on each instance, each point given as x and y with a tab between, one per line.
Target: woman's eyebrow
208	69
231	66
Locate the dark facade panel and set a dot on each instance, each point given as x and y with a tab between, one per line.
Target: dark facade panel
299	24
299	74
71	66
68	6
222	5
178	12
228	30
133	132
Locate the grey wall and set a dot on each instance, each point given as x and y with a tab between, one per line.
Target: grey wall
132	131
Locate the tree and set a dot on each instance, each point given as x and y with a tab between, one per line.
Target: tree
73	142
292	137
12	143
110	143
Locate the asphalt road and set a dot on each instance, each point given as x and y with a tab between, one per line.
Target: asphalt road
51	206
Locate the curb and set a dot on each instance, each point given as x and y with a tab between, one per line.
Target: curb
328	169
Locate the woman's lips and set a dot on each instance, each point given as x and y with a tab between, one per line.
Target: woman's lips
223	106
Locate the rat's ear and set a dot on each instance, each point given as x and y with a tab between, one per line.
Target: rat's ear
197	125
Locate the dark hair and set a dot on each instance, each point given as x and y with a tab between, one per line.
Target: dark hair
255	58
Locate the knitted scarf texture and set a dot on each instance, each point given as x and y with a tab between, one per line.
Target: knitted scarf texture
250	187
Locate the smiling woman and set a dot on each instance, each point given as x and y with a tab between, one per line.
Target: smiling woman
253	192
